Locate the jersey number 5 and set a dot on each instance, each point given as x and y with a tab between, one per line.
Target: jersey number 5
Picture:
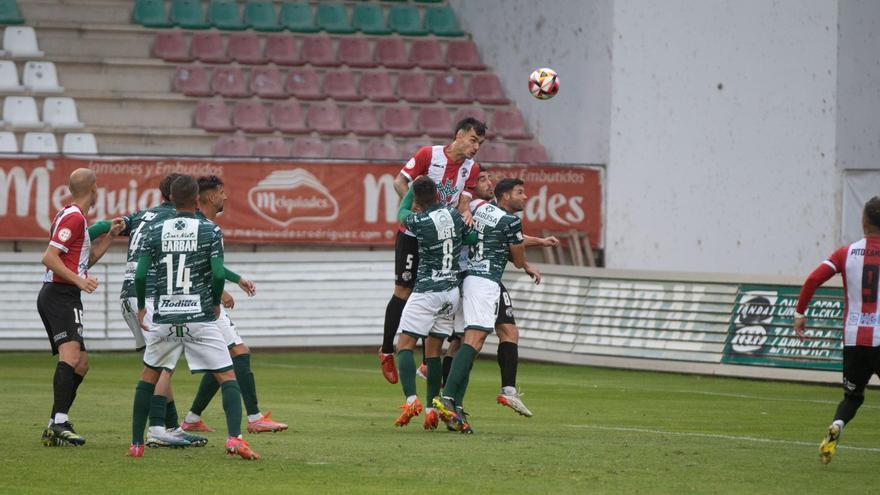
869	283
182	281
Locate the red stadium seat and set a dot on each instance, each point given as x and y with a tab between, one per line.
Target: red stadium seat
450	88
192	81
271	147
288	117
362	121
509	123
229	82
325	118
266	82
475	112
530	153
303	84
250	116
414	87
213	116
427	54
383	150
399	121
355	52
340	85
377	86
349	149
494	152
245	48
435	122
463	54
391	53
318	51
171	46
232	145
308	147
486	88
283	49
209	47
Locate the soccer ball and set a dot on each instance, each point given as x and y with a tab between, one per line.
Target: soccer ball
544	83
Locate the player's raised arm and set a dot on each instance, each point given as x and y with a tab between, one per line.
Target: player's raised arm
100	247
405	209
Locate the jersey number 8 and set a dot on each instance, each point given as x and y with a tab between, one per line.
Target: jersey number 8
447	255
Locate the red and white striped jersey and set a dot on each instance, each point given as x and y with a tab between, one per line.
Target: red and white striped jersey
69	233
859	264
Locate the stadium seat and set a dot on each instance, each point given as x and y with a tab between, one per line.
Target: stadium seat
427	54
60	113
340	85
271	147
333	18
266	82
229	82
414	87
399	121
213	116
9	77
209	47
261	16
20	112
21	42
463	54
76	143
283	50
450	88
369	18
303	83
391	53
297	17
509	123
41	77
287	117
362	121
406	20
39	142
435	122
245	48
318	51
354	51
475	112
530	153
383	150
232	145
171	46
9	13
441	21
250	116
486	89
325	118
149	13
307	147
494	152
346	149
188	14
224	14
377	86
192	81
8	143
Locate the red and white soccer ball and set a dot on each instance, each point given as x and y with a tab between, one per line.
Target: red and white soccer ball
544	83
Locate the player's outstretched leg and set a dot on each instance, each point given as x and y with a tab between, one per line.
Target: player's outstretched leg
386	353
193	420
258	422
828	447
231	392
412	407
508	357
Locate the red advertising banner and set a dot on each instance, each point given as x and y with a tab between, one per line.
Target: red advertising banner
281	202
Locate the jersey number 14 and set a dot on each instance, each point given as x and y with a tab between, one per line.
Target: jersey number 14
182	281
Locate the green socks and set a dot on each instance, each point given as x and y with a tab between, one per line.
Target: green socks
207	388
232	406
245	378
435	374
143	393
157	410
171	420
406	365
456	384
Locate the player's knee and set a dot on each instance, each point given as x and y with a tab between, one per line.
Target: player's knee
239	349
224	376
855	397
402	292
507	333
150	375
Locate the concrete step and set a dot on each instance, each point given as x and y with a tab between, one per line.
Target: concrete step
76	12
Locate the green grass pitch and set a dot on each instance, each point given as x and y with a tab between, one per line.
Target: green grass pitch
594	431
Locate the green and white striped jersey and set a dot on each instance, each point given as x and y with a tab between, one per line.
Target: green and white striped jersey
439	230
135	226
497	230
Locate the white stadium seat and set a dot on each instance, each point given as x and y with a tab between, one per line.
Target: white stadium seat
20	112
60	113
80	143
21	42
8	144
9	77
41	77
39	142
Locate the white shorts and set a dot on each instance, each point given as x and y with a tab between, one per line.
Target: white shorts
201	342
430	313
227	328
130	315
479	303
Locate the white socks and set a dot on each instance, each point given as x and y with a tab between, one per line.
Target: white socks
508	390
60	418
157	430
191	417
839	424
411	399
254	417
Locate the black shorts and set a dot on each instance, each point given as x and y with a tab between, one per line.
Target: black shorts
61	309
406	260
505	309
859	364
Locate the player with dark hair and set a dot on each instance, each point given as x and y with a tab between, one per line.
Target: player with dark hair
859	265
453	169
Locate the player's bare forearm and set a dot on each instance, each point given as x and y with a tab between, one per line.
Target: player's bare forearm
52	261
518	255
99	248
464	207
401	185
